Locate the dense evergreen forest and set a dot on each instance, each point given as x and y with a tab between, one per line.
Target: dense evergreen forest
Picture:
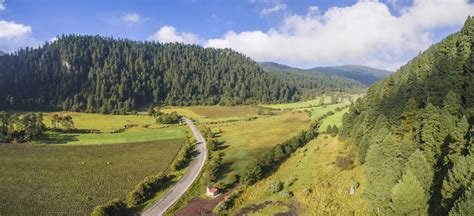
414	132
96	74
312	83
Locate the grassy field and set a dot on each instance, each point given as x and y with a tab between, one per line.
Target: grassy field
246	140
213	113
302	104
319	111
72	180
129	136
310	169
103	123
335	119
145	130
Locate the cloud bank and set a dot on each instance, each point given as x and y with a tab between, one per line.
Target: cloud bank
168	34
14	35
364	33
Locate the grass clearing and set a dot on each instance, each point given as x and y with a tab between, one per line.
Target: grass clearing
103	123
145	129
319	111
302	104
247	140
129	136
213	113
311	169
72	180
335	119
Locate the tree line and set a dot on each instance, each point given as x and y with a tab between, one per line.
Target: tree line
414	132
20	127
106	75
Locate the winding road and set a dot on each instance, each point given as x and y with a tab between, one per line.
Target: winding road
165	202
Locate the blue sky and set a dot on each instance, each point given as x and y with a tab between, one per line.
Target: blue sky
301	33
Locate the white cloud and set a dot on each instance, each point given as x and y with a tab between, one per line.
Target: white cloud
14	35
131	18
274	9
168	34
364	33
10	30
2	5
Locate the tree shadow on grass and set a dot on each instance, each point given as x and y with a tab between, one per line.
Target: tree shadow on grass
58	138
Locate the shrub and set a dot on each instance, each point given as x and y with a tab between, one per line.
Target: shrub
286	194
183	157
345	162
145	190
115	207
307	192
292	181
171	118
275	187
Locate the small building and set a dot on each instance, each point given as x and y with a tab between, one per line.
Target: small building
212	191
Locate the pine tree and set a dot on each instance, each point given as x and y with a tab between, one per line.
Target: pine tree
408	196
419	167
383	171
459	178
465	204
408	120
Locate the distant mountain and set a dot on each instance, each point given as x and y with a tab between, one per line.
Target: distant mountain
310	82
2	53
363	74
359	73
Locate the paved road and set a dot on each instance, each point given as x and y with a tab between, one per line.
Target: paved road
165	202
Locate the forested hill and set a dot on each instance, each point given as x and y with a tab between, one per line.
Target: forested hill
312	83
414	131
365	75
343	75
96	74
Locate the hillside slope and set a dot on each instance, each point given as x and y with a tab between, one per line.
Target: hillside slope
414	131
311	81
365	75
96	74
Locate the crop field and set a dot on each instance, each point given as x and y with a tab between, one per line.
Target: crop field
145	129
317	185
302	104
245	141
72	180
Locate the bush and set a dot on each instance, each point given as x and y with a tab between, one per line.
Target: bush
307	192
275	187
345	162
183	157
171	118
286	194
115	207
145	190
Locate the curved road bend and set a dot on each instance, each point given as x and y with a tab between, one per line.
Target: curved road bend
165	202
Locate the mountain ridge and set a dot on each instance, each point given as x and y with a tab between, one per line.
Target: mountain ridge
363	74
